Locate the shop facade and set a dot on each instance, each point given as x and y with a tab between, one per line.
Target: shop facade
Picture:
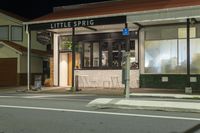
163	42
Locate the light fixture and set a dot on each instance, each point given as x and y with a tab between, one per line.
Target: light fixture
193	21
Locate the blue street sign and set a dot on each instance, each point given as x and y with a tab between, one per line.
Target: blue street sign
125	32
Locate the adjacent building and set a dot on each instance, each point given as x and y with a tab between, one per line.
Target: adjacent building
13	51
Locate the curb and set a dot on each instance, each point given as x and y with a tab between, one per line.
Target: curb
158	95
145	105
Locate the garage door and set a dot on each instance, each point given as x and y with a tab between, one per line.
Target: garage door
8	72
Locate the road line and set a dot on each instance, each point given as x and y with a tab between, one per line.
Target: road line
65	99
7	96
47	96
98	112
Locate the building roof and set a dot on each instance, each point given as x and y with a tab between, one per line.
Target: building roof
13	15
23	49
113	7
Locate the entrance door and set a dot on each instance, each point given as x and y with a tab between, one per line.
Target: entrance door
63	76
69	82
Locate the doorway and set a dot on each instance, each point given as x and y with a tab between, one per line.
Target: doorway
65	69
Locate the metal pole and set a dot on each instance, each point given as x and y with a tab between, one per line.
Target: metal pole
188	51
73	56
28	57
127	78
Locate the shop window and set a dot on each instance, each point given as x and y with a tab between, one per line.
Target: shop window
87	54
16	33
4	33
105	58
161	57
133	60
65	43
116	54
167	55
96	54
161	33
78	55
195	56
182	32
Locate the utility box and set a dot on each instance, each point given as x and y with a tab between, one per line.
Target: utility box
38	82
188	90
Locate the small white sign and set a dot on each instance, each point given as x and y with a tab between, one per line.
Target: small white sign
188	90
164	79
193	79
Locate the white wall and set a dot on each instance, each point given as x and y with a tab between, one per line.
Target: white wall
141	52
37	64
55	59
35	44
102	78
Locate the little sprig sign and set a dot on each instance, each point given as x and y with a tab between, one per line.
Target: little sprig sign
78	23
69	24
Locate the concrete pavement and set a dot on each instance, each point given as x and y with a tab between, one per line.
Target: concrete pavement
146	104
160	95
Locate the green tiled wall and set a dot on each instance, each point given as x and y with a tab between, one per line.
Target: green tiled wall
174	81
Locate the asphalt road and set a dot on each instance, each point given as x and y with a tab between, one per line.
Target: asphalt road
43	113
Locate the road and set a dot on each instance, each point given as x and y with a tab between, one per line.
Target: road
45	113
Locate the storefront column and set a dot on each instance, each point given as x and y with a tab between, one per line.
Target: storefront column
188	51
73	56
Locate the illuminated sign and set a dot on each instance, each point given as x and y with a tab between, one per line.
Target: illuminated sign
78	23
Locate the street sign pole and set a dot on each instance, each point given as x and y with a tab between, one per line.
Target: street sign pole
127	62
127	78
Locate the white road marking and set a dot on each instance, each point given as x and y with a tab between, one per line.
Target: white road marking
68	99
103	113
36	96
6	96
47	96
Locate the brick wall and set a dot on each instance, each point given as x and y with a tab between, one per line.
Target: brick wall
105	78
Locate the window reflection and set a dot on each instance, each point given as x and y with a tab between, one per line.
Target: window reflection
195	56
95	54
65	43
87	58
104	59
162	57
116	54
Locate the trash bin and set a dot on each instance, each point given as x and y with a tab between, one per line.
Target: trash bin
38	82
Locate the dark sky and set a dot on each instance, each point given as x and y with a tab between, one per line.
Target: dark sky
34	8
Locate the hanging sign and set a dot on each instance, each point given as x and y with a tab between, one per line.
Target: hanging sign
44	38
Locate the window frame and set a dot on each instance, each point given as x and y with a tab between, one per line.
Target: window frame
110	51
8	35
20	40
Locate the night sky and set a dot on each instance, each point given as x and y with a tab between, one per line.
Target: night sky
35	8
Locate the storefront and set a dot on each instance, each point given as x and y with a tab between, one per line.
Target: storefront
88	42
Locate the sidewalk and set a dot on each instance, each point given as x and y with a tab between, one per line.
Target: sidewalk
153	99
161	105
